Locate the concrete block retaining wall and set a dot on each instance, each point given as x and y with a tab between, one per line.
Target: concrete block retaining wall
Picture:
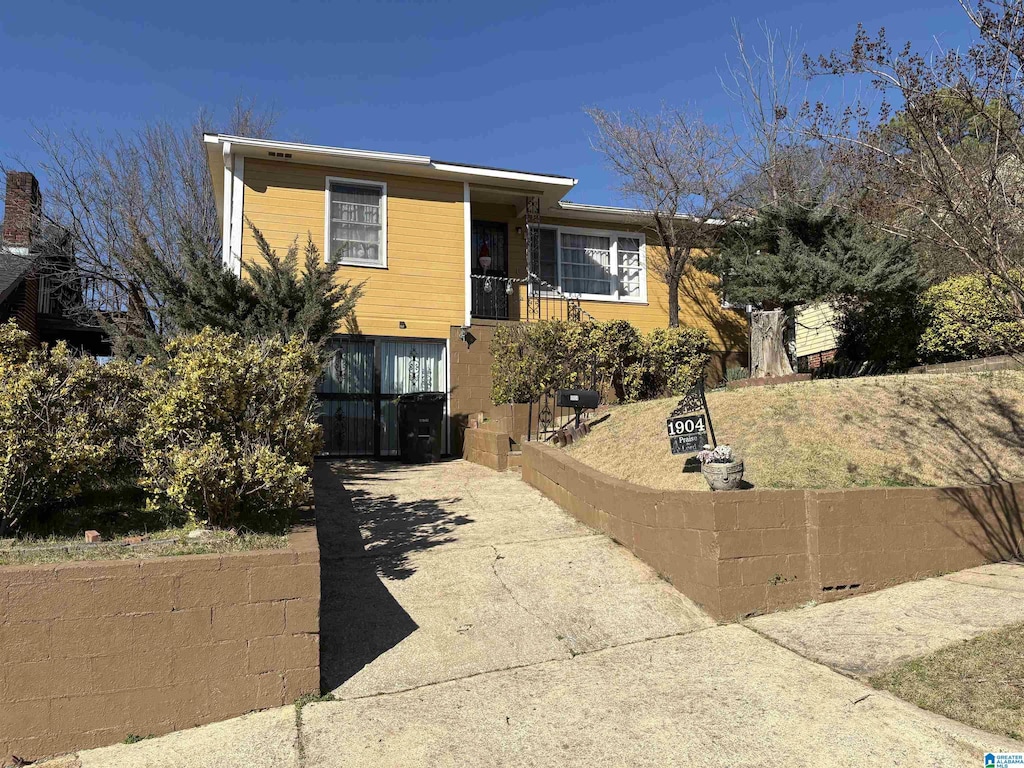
739	553
997	363
93	651
487	447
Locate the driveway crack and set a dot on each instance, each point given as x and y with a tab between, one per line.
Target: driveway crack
561	638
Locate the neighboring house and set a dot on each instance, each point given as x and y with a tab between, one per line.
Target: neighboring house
443	249
816	336
39	288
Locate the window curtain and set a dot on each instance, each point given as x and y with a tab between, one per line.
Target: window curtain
548	256
412	366
629	267
355	223
586	264
407	366
349	368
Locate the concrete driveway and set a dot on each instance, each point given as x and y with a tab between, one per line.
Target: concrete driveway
468	621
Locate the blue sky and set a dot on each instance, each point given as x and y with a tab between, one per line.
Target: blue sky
499	84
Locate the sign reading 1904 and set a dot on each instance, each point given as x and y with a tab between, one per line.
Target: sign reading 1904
687	433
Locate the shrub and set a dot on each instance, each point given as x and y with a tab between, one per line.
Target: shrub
737	373
883	333
230	430
533	358
66	425
671	361
968	317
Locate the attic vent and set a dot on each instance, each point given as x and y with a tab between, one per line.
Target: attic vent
285	155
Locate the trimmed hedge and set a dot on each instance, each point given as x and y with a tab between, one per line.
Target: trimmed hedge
531	359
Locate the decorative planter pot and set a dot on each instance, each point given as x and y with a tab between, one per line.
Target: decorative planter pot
723	477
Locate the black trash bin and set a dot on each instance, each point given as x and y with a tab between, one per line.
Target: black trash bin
420	420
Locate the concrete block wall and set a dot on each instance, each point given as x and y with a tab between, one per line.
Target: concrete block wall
996	363
739	553
93	651
487	447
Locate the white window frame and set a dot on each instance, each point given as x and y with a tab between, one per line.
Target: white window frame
383	187
613	236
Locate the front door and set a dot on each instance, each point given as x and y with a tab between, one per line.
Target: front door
359	391
489	270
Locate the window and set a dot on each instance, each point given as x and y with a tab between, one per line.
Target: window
587	264
629	267
357	222
549	256
596	265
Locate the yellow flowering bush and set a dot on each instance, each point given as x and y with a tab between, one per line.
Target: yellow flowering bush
230	431
66	424
970	316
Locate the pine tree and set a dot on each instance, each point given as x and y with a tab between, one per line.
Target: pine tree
793	255
274	298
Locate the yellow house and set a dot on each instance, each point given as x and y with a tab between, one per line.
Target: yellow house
442	249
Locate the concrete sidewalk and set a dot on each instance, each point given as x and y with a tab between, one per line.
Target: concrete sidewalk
467	621
862	636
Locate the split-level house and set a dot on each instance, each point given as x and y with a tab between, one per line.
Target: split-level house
443	249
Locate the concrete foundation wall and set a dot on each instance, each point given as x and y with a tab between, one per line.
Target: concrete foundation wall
739	553
93	651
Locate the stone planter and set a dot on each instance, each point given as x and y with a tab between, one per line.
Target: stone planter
723	477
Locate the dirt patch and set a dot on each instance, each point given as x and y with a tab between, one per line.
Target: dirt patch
164	543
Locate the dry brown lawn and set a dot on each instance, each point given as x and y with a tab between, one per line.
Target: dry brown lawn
933	429
979	682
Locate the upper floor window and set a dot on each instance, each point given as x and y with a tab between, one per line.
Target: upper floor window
597	265
357	222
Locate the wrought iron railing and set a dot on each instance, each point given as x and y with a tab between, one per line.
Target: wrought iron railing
552	418
501	298
64	294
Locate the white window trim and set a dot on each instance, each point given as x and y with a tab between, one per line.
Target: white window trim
613	235
383	187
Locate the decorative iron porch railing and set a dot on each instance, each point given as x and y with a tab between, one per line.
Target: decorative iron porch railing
527	299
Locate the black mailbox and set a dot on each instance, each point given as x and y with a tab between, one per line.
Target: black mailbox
578	398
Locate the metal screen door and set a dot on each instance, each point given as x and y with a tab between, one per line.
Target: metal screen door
362	381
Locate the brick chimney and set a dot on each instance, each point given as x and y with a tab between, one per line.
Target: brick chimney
23	208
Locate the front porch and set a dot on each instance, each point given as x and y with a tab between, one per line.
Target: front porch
506	276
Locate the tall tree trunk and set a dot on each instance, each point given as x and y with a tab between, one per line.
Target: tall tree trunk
768	355
673	300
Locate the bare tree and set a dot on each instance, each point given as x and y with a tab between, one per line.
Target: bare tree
779	165
935	152
128	198
679	172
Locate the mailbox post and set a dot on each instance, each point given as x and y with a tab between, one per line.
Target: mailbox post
579	400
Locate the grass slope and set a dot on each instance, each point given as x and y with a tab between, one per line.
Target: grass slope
935	429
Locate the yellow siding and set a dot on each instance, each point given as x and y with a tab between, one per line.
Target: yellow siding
699	304
815	329
424	283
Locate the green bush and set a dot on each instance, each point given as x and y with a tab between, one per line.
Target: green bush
968	317
66	425
230	430
671	361
533	358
